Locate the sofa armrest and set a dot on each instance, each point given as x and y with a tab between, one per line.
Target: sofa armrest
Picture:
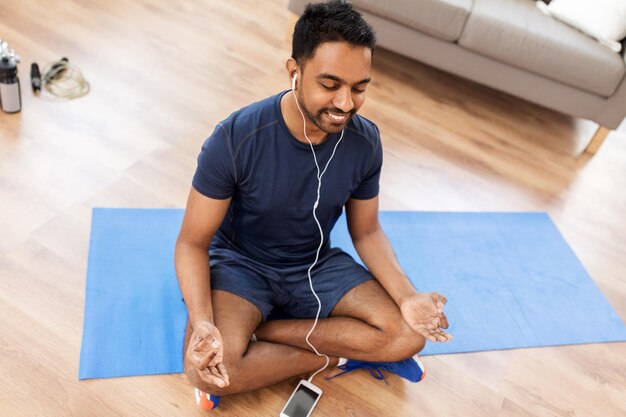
614	110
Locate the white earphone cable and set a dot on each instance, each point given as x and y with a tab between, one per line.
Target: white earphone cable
319	186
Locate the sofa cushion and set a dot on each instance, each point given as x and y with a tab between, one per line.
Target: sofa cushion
443	19
604	20
518	33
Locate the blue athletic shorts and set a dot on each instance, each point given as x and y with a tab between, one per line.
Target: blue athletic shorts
286	289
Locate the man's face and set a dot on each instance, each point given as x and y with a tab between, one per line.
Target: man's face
331	88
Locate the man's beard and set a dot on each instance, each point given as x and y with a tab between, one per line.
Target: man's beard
317	120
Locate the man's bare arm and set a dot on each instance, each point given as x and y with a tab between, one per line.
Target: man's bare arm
203	217
374	248
422	311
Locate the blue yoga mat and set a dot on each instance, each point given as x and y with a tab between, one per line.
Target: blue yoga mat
510	278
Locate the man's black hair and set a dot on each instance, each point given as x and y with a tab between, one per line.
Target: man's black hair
332	21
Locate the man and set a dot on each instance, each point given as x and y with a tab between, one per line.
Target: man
250	232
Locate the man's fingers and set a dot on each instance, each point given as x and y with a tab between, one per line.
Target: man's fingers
222	370
199	352
195	343
204	361
428	334
209	378
440	335
213	343
444	321
196	357
421	329
433	335
217	374
213	371
440	297
447	335
219	357
215	377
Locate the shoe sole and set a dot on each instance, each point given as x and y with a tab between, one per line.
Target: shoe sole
206	401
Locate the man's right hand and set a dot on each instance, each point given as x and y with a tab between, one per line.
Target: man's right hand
206	352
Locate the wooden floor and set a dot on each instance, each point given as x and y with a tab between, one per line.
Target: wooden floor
163	74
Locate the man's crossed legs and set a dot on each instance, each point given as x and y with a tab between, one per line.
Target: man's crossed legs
365	325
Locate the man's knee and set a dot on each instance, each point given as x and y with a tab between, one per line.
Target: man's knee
409	343
193	377
403	343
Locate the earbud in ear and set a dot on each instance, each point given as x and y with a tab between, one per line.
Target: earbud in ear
293	82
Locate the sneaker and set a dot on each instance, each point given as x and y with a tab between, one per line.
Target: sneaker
411	369
206	401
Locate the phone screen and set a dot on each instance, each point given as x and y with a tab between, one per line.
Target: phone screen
301	402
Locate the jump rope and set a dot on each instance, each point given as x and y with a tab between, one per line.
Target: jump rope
317	200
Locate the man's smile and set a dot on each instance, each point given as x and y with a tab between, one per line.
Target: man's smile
337	117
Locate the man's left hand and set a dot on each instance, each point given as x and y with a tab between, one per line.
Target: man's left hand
424	313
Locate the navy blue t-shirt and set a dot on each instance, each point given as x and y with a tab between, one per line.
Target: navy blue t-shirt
271	176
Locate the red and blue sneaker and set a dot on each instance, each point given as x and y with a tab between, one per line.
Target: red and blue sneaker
411	369
206	401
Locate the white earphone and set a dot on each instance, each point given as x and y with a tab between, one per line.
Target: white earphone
320	174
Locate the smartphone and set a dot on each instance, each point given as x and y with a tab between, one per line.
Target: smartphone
302	401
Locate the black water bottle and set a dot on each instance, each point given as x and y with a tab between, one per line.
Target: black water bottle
10	93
